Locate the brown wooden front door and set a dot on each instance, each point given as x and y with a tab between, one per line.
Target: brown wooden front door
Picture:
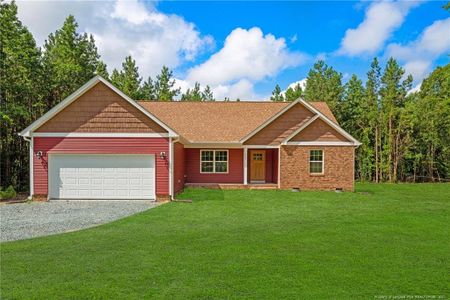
257	166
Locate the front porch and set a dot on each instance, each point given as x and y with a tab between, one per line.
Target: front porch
261	166
249	167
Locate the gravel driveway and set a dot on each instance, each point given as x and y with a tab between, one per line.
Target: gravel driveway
27	220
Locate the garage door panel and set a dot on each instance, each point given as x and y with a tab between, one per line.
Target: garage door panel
102	176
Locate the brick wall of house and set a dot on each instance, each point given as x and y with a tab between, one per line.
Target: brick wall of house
338	168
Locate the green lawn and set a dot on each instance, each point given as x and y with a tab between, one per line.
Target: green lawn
382	240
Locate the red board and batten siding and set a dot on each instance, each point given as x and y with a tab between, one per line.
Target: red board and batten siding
235	168
73	145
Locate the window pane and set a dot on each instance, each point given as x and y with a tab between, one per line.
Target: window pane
207	155
315	155
221	167
207	167
221	156
315	167
257	156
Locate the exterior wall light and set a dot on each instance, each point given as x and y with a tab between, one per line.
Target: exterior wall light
39	154
162	155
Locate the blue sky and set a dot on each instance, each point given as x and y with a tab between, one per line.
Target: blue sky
242	49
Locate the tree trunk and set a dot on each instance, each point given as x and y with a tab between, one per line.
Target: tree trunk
390	141
376	155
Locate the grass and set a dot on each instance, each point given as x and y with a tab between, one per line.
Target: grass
383	240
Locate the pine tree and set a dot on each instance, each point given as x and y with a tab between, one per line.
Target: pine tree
164	85
433	126
207	94
22	87
116	79
354	119
148	90
293	94
393	97
101	70
70	59
128	79
325	84
276	94
372	99
193	95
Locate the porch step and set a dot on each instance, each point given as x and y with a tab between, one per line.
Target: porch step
262	187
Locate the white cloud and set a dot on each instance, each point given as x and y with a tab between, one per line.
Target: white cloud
293	38
122	28
292	85
243	89
246	54
381	19
418	55
415	89
417	68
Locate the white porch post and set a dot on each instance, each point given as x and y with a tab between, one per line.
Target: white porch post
31	167
279	167
171	168
245	165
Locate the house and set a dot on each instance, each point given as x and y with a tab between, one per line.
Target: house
100	144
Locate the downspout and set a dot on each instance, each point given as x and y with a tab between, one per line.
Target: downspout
30	140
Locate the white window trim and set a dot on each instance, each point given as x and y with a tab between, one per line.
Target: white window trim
214	161
322	161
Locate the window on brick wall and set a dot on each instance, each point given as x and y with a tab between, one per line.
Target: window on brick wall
316	161
214	161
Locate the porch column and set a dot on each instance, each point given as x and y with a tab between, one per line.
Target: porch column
245	165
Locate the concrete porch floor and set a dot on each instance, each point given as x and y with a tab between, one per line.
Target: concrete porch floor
233	186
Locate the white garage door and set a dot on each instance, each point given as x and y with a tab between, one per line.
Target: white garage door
84	176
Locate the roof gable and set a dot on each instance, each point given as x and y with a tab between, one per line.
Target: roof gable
138	112
313	110
276	130
100	109
318	130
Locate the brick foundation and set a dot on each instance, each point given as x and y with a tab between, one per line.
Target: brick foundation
162	198
338	168
40	198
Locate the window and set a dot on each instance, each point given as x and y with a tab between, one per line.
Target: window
316	161
257	156
214	161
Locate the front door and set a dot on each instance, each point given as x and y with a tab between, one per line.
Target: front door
257	166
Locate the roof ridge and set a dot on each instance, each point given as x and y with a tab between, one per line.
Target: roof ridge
221	101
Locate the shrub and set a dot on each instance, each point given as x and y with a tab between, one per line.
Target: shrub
8	193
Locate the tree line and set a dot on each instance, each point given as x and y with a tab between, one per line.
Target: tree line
405	135
34	79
